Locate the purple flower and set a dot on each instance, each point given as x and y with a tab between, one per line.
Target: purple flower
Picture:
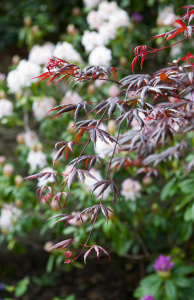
1	286
148	297
137	17
163	263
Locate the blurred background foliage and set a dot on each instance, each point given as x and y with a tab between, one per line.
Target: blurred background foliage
159	221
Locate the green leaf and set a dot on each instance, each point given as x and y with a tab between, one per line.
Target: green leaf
69	230
182	281
151	279
183	270
22	287
50	263
168	189
170	289
9	288
189	213
187	230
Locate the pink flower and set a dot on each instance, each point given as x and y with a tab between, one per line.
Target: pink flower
162	263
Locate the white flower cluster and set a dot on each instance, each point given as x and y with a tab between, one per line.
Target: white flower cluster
89	182
8	213
36	159
106	20
66	52
30	138
91	3
166	17
22	75
41	108
130	189
6	108
41	54
71	98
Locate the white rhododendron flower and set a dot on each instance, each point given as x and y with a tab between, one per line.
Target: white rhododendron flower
30	138
91	39
71	98
29	70
41	108
8	213
119	18
91	3
94	19
36	159
6	108
41	54
15	80
100	56
176	50
89	182
105	9
166	16
66	52
130	189
41	181
107	32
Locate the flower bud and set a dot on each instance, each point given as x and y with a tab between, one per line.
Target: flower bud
2	160
4	231
164	274
71	30
76	11
18	181
147	180
19	203
48	245
27	21
91	89
155	208
2	95
15	60
8	170
70	128
20	138
123	61
40	147
35	29
111	127
67	254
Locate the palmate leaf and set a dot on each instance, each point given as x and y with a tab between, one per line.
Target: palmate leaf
63	217
81	174
101	134
60	69
90	160
97	249
135	81
130	115
169	153
43	176
62	245
94	210
75	108
68	146
105	184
